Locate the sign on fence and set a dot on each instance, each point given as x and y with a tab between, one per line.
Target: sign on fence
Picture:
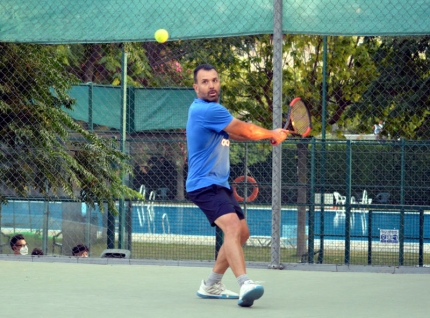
389	236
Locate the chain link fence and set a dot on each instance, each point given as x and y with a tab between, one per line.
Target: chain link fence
82	122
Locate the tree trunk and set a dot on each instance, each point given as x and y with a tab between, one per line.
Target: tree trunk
94	55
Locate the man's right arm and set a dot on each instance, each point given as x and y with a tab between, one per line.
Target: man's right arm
242	131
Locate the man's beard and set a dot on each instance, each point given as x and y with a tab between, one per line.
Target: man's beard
209	98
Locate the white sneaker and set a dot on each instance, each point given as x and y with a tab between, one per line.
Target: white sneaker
216	291
249	292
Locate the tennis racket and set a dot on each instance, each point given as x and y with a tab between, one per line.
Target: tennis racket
298	120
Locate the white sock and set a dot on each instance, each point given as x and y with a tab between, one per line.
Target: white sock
213	279
241	279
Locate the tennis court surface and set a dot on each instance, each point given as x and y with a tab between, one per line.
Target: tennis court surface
67	287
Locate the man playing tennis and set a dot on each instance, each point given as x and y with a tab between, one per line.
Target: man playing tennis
210	128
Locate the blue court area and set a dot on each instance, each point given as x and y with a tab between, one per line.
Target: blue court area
187	219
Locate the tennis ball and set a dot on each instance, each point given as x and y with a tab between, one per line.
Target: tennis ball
161	35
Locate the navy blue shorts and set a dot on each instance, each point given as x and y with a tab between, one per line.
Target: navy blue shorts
215	201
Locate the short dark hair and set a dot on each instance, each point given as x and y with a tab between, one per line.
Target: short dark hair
206	67
37	251
15	239
79	248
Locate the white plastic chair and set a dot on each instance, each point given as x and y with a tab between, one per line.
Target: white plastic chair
364	199
141	206
339	199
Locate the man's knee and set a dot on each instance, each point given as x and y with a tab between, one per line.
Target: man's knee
229	224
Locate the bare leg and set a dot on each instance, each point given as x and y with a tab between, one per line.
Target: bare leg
236	233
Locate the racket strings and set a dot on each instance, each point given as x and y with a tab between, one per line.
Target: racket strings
300	118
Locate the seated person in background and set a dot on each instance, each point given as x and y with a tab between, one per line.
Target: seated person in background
19	245
80	250
37	251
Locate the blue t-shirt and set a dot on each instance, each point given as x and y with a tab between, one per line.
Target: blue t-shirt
208	145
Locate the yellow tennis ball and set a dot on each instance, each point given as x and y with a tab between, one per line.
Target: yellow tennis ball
161	35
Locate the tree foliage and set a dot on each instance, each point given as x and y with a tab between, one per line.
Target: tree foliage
400	95
36	153
368	78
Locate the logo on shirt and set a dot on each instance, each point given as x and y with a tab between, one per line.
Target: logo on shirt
225	142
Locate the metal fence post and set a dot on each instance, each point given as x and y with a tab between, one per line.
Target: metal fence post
421	240
45	224
277	122
122	211
323	149
402	202
369	238
348	202
311	220
90	107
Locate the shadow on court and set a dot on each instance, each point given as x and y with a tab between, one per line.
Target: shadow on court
48	287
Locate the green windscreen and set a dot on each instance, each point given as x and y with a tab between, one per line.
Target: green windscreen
147	108
92	21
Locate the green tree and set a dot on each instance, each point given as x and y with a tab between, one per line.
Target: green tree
149	64
400	95
36	152
350	71
101	63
